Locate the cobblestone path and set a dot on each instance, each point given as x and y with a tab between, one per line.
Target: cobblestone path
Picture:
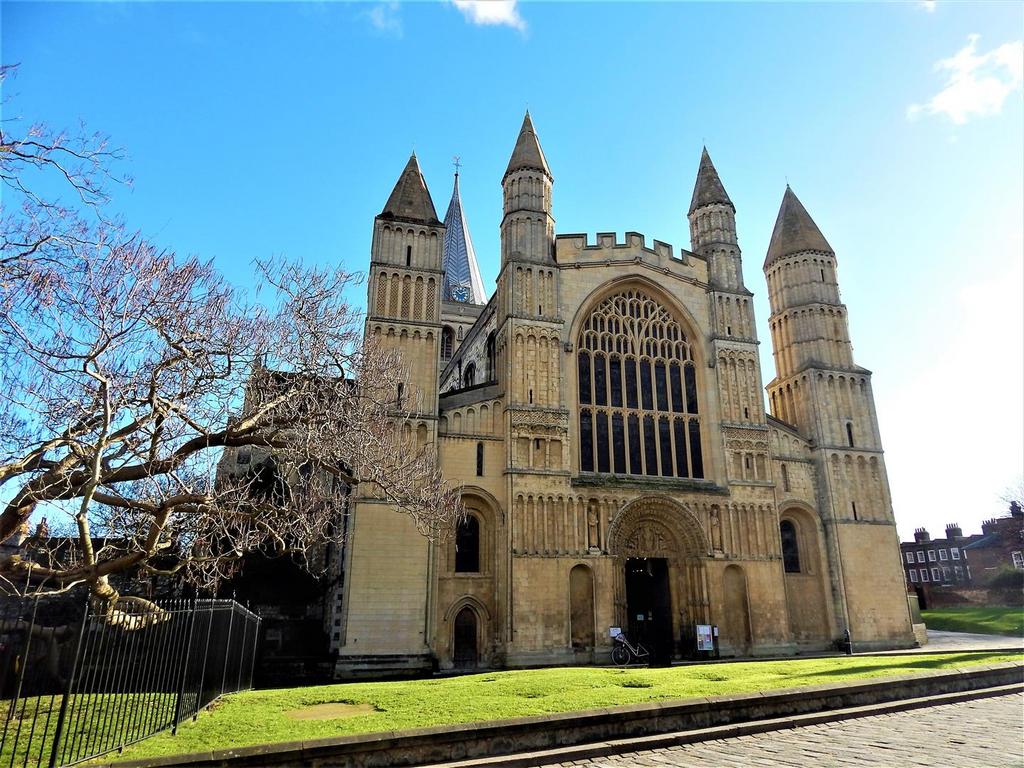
969	734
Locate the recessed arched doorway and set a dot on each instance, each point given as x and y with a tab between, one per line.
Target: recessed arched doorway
465	652
661	585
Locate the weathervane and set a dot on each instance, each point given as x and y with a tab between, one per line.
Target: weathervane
457	162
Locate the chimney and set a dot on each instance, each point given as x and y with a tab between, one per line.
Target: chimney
921	536
1015	510
42	530
988	526
953	531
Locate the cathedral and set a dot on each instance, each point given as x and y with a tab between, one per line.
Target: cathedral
602	411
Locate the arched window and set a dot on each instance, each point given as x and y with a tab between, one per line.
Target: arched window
467	546
785	478
849	433
469	375
638	402
447	342
790	547
492	368
479	459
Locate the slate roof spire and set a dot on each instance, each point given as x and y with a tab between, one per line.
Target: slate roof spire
708	189
410	199
527	152
461	272
795	231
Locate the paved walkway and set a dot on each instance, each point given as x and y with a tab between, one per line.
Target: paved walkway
970	734
966	641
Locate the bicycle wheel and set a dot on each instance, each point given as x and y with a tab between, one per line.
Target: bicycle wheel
620	655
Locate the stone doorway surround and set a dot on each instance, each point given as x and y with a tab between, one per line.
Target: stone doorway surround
657	526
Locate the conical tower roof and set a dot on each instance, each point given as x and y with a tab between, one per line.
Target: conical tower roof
795	231
708	188
461	272
410	199
527	153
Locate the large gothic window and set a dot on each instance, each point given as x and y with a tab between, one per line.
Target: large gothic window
637	391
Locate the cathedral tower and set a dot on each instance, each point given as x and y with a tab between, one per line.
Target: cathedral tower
712	219
403	296
528	335
828	398
384	549
528	323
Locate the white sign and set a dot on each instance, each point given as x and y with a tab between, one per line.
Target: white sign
705	642
614	631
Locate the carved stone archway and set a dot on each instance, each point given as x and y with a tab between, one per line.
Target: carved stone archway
657	526
670	526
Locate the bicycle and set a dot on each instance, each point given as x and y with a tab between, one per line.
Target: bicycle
624	651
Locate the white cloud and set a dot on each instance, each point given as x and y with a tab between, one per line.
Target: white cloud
386	18
978	84
928	5
491	12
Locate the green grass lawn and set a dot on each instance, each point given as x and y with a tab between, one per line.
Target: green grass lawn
998	620
256	717
88	724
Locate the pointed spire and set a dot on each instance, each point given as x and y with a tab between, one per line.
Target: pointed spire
527	153
708	188
410	199
461	272
795	231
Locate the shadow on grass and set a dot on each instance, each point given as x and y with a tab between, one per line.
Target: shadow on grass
946	662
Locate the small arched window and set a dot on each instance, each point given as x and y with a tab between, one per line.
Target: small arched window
408	255
790	547
447	342
492	368
479	459
469	375
849	433
467	546
785	478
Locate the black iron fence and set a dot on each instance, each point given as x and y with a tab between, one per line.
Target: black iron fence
75	687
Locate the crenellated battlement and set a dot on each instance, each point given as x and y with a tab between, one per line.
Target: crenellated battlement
608	247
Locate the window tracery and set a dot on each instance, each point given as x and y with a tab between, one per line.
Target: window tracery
638	405
447	342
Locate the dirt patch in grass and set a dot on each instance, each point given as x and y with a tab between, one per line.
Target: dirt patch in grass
332	710
636	684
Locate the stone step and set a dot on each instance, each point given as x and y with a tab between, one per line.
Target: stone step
380	666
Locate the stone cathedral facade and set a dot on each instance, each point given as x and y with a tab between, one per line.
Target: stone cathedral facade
603	412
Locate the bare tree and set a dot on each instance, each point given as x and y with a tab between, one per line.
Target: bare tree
1014	493
126	372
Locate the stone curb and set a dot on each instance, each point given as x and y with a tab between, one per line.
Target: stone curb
465	742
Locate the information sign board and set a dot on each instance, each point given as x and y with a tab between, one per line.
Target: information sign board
705	640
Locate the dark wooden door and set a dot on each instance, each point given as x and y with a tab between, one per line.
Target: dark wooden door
464	652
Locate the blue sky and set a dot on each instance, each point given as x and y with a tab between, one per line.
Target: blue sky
279	128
